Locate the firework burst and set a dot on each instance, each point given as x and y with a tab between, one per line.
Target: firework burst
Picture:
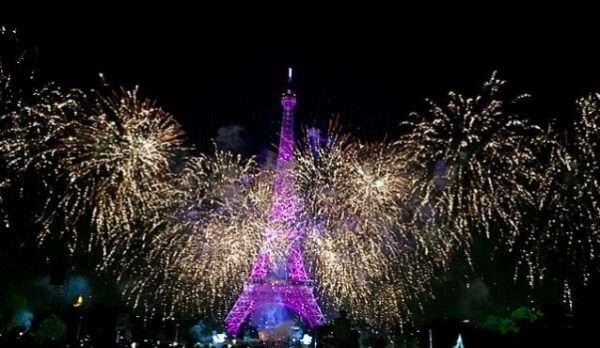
115	159
28	128
564	235
363	257
213	223
474	167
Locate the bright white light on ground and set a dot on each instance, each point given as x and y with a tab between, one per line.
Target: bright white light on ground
219	338
306	340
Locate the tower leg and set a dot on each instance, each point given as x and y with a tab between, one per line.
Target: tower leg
296	297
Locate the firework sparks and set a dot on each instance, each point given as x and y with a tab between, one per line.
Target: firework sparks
213	230
28	128
4	181
363	257
116	160
474	162
563	235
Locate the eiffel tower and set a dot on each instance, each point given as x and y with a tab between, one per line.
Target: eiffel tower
276	280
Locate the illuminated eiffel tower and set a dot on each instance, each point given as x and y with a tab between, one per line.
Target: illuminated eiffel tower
272	282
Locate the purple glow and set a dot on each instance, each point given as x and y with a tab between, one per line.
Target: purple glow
296	297
293	289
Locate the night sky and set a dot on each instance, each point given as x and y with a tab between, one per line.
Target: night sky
211	74
220	73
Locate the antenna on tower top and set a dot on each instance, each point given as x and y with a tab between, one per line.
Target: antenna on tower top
289	75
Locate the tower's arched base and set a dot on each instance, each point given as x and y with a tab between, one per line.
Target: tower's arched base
296	296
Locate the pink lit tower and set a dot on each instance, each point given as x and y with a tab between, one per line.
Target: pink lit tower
278	280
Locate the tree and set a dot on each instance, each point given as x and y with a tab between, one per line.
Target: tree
51	329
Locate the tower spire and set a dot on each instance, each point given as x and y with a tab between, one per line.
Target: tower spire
284	208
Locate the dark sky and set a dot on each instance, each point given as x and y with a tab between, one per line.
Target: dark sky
230	70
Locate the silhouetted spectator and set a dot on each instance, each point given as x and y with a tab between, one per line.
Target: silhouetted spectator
342	331
380	342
